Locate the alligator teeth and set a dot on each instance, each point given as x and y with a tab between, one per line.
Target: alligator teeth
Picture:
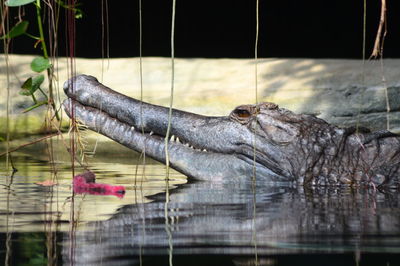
177	139
192	147
151	133
172	138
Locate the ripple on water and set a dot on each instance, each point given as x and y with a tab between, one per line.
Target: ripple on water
199	217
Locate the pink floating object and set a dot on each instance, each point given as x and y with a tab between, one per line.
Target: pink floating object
85	183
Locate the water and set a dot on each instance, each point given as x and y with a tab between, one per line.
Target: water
184	222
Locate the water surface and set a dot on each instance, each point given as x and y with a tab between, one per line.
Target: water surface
184	222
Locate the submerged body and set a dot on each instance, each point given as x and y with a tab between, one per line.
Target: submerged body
255	141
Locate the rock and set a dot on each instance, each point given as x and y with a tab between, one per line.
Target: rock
343	92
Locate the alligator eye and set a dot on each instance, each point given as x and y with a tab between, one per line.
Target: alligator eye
242	113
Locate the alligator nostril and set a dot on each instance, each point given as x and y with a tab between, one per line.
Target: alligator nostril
75	82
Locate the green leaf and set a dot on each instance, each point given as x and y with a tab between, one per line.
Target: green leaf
36	82
19	29
35	106
26	87
78	13
18	2
31	85
24	92
40	63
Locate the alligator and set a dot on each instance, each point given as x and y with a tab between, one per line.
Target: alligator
254	142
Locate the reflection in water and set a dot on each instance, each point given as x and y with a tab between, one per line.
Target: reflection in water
9	215
199	222
41	208
209	218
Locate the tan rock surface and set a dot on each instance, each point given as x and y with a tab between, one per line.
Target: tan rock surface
336	90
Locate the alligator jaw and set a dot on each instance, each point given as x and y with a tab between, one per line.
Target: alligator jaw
192	162
97	120
208	147
188	127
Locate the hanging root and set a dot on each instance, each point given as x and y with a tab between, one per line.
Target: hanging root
81	140
381	34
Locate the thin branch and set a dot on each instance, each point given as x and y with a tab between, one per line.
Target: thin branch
3	18
29	143
381	34
172	86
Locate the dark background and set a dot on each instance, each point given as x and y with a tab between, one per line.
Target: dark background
226	28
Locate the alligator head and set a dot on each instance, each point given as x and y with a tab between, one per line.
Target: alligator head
261	141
